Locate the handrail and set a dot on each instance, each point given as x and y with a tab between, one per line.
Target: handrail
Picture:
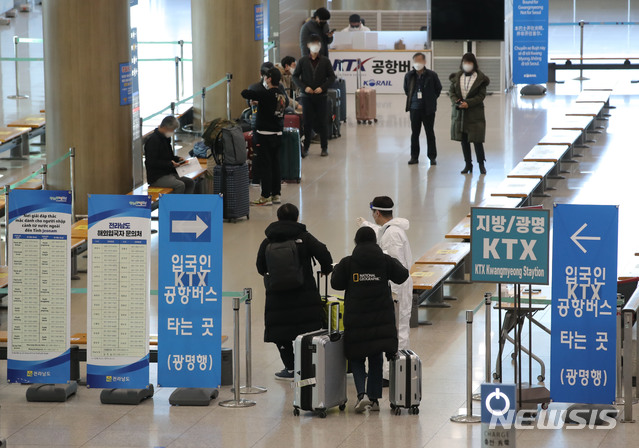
632	305
591	23
628	316
211	87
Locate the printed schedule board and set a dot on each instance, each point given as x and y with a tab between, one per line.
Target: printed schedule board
584	298
530	41
190	291
118	291
509	245
39	286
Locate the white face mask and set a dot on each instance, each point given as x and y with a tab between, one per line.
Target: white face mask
467	67
418	66
169	134
265	84
315	48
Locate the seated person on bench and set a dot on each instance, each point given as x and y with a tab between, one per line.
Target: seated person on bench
160	161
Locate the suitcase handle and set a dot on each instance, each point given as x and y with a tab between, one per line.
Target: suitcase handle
359	73
319	282
333	331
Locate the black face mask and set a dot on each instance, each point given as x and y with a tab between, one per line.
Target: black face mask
322	22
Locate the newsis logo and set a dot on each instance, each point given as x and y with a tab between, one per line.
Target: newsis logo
555	419
137	203
58	198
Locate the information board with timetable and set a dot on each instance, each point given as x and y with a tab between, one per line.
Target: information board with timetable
118	291
39	287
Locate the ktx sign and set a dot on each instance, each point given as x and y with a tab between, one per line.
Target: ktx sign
509	245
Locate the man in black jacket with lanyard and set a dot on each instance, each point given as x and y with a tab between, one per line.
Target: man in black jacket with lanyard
422	88
161	162
314	75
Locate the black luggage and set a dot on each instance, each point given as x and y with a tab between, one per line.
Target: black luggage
334	110
340	85
291	155
232	181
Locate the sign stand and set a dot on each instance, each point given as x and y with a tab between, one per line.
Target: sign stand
51	392
237	401
125	396
249	388
192	396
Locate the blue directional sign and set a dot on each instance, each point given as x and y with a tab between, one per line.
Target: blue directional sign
509	245
190	291
530	41
584	297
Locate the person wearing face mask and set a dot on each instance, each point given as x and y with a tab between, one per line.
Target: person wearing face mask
422	88
355	24
316	25
314	75
160	162
468	123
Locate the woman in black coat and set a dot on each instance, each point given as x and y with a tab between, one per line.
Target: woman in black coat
292	312
369	313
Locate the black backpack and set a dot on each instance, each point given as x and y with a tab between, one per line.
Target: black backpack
284	268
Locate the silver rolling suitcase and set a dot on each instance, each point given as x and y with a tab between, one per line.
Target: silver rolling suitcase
405	382
320	370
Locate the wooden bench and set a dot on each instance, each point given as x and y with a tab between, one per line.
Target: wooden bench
548	153
428	282
518	188
81	339
560	138
572	123
31	184
34	122
499	202
461	231
585	109
15	140
154	192
534	170
456	254
594	96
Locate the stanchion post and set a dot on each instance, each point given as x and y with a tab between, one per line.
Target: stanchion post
229	77
44	176
488	300
72	180
249	388
468	417
237	401
177	78
627	366
181	44
7	189
203	110
17	96
581	50
619	386
173	136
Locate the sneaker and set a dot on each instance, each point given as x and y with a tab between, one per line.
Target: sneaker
362	404
255	185
263	201
276	199
284	375
374	406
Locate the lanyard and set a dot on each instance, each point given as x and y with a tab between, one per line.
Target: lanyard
467	80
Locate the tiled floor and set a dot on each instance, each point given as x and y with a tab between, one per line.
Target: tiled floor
367	161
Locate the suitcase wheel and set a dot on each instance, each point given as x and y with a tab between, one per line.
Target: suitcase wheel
342	407
375	120
359	121
322	413
296	412
397	410
414	411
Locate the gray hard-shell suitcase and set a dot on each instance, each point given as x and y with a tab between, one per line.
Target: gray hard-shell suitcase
405	382
320	371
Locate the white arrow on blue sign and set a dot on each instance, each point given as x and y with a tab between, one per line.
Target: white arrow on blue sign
584	298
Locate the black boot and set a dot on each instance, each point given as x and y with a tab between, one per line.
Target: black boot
482	168
468	168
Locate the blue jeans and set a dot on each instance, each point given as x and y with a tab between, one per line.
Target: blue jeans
372	388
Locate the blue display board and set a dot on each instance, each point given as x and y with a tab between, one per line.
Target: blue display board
190	291
126	84
118	291
509	245
497	400
530	41
39	238
584	297
259	21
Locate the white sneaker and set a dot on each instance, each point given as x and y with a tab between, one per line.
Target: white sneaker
362	404
276	199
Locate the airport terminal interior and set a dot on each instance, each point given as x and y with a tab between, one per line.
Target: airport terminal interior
368	160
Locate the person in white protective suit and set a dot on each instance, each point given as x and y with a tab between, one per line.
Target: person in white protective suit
391	237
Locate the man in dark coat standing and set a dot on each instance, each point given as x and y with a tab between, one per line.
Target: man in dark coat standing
422	88
289	313
369	313
316	25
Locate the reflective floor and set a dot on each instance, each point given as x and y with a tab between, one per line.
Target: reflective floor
366	161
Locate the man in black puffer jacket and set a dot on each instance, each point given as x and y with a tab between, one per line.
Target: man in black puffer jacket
369	313
291	312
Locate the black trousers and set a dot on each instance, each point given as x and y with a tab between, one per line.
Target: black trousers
268	146
315	109
419	118
286	353
479	150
